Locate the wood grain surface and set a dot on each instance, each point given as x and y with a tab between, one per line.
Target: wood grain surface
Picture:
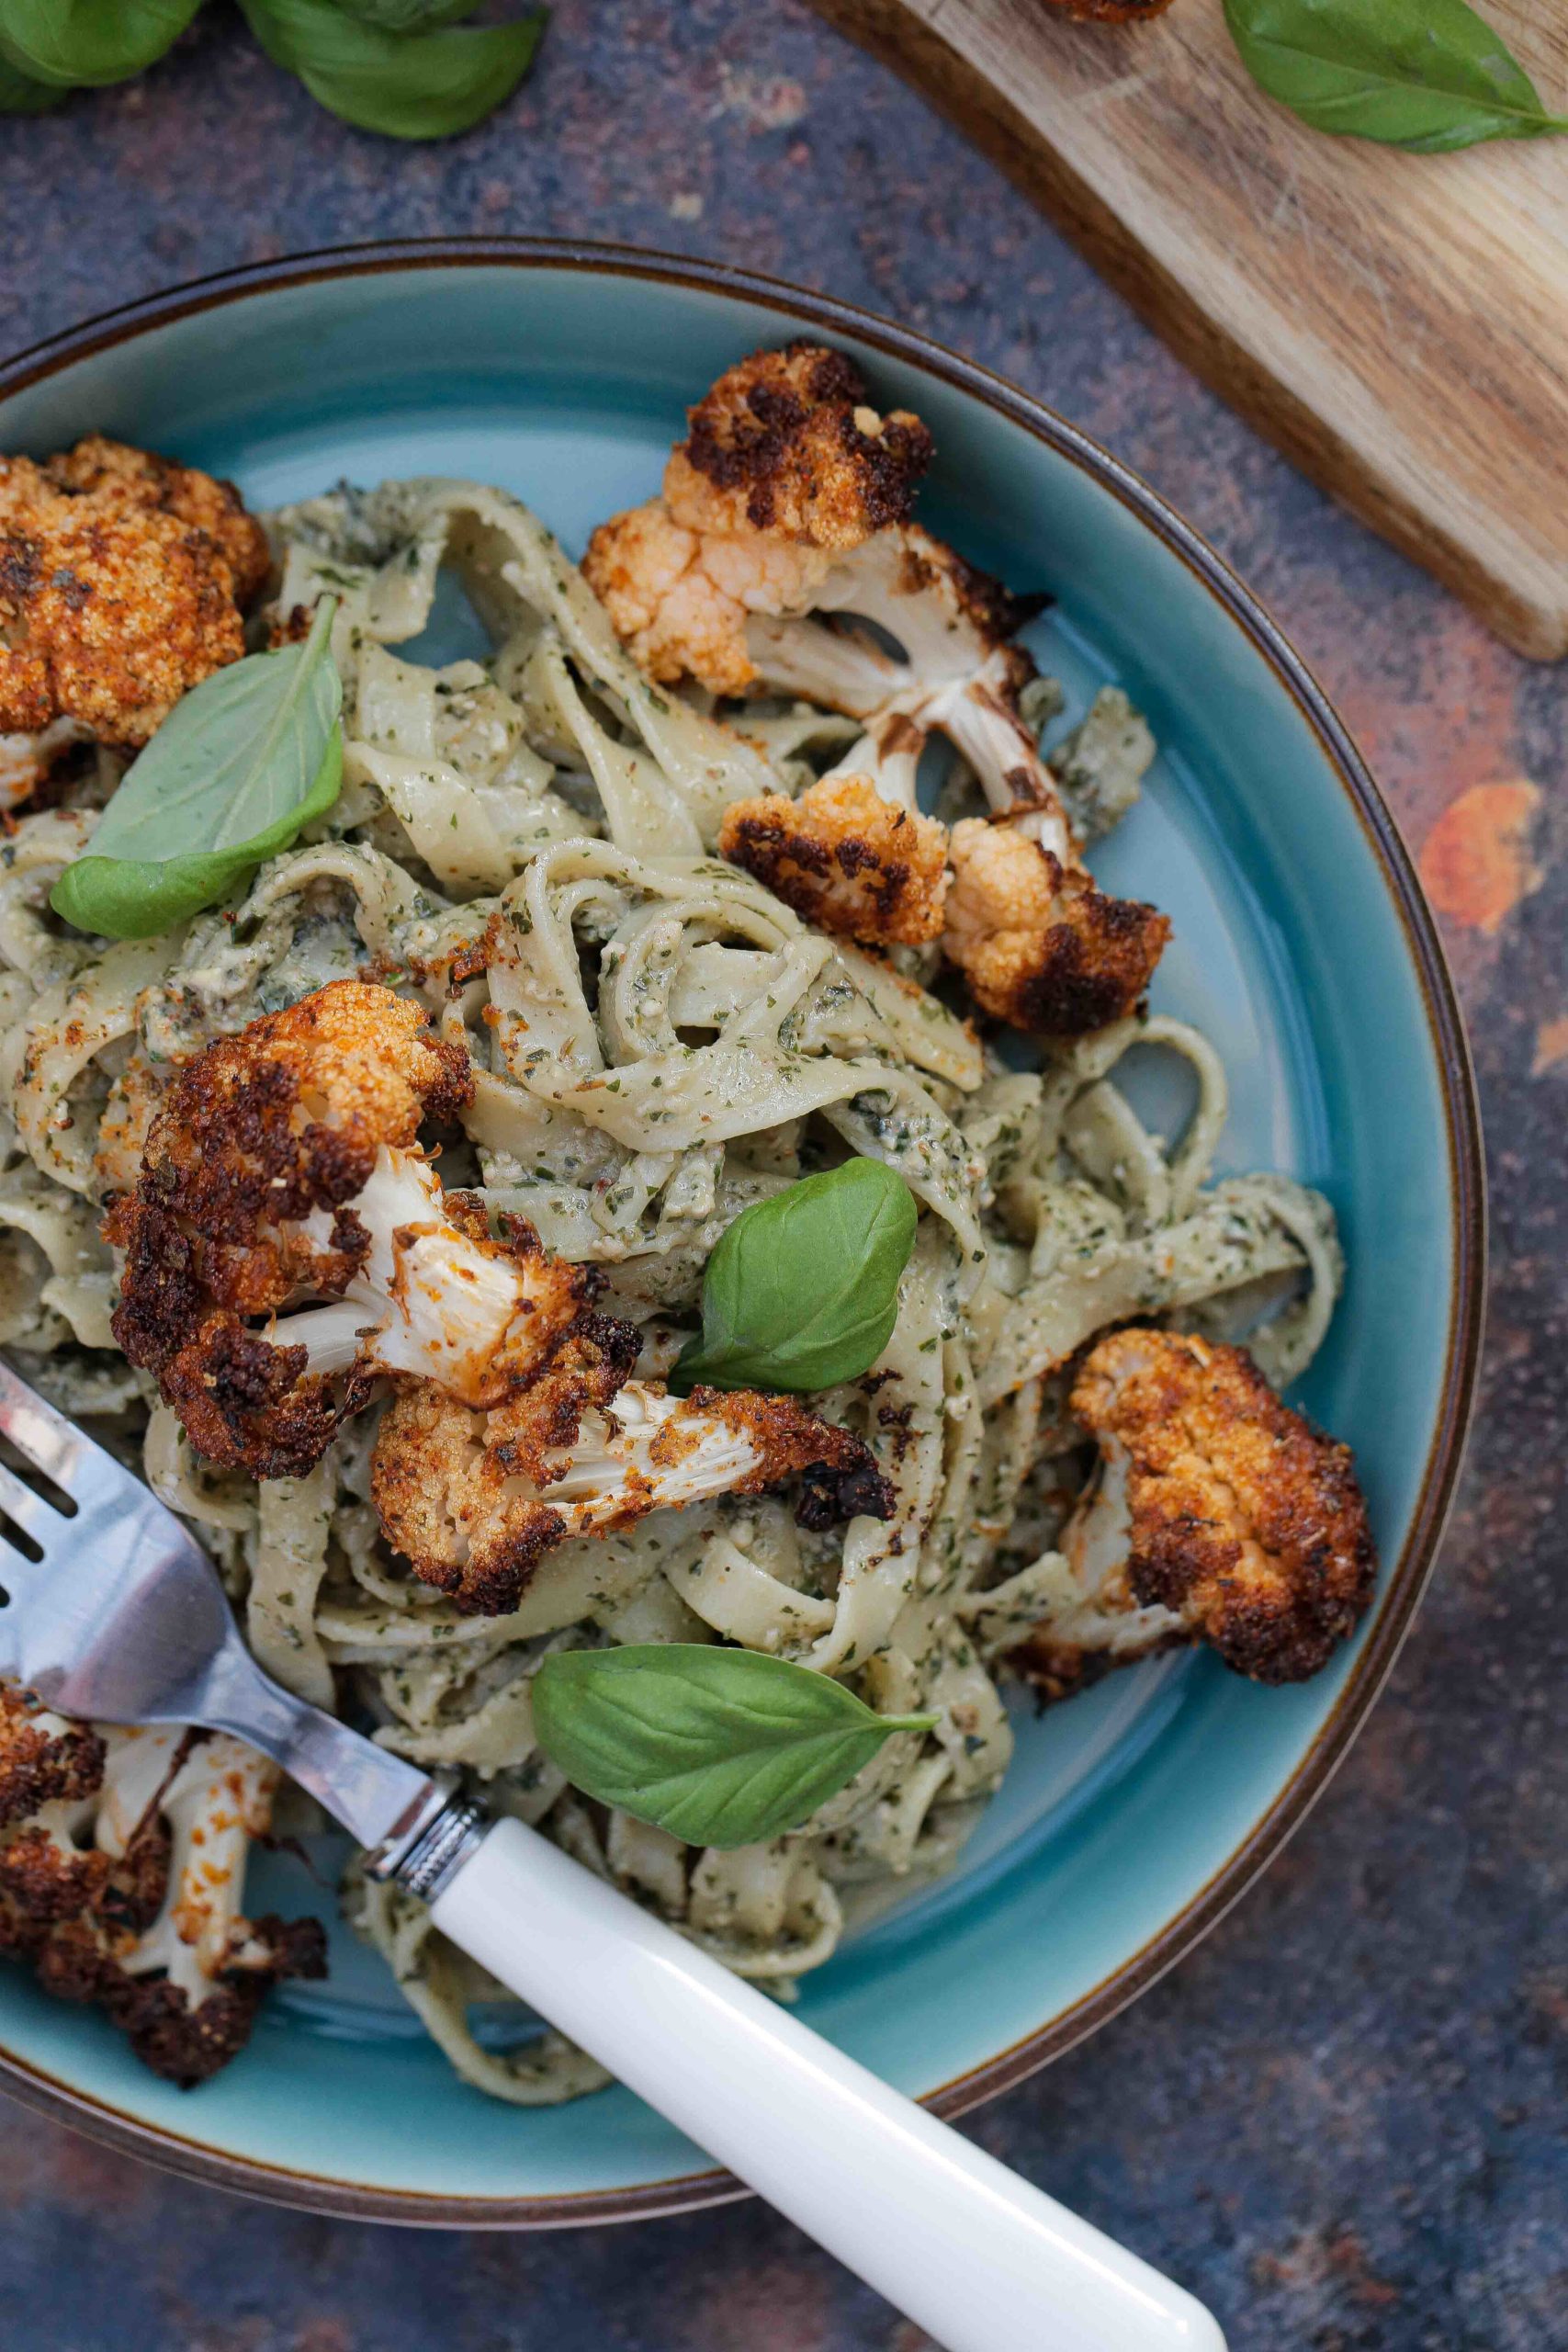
1397	323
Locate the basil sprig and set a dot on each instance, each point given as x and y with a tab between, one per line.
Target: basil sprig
718	1747
410	69
236	769
68	43
802	1291
428	83
1430	75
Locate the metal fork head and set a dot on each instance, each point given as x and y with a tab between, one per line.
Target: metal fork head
113	1611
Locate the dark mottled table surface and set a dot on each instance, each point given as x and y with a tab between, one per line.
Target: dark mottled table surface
1342	2118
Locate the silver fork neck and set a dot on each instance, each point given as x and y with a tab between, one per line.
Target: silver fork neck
425	1852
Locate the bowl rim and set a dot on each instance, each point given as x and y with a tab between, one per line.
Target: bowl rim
184	2154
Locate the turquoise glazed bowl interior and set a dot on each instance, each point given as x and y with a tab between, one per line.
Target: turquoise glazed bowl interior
1136	1812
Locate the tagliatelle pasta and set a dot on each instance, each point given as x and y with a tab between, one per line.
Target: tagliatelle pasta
657	1042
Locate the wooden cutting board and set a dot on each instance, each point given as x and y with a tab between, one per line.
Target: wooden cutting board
1397	323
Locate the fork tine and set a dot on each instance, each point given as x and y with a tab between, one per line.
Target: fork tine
26	1509
34	1427
56	1446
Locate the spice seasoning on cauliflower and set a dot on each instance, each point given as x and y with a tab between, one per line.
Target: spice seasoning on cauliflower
281	1167
1039	945
122	576
121	1863
776	536
846	858
473	1500
1220	1516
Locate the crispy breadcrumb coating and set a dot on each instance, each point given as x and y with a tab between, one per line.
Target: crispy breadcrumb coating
757	571
785	464
788	442
43	1757
845	858
120	1859
114	473
473	1502
286	1118
457	1491
281	1166
121	579
1039	945
1221	1516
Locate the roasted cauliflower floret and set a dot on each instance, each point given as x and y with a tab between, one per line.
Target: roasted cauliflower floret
784	464
781	527
121	579
679	597
121	1862
288	1117
1219	1516
845	858
954	623
787	441
49	1769
473	1500
116	474
281	1168
1039	945
960	673
44	1758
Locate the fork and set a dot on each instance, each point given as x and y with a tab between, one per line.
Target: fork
114	1611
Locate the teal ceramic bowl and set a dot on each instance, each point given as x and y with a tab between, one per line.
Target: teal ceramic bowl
1138	1813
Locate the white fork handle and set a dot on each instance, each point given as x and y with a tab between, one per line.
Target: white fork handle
981	2260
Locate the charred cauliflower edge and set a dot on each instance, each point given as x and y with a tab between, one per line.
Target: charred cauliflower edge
136	1909
790	499
123	578
1221	1516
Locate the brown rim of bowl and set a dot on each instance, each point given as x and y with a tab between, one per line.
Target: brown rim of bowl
685	2193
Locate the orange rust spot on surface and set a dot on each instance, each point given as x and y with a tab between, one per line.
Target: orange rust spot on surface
1475	864
1550	1045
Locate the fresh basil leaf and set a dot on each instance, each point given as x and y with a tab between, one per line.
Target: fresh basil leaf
247	757
718	1747
126	898
68	42
406	86
20	94
1427	74
802	1291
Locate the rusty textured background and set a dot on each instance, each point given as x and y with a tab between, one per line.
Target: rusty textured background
1341	2120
